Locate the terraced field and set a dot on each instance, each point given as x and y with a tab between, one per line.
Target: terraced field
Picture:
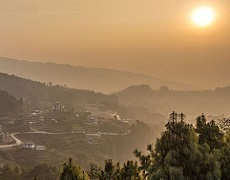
64	136
49	122
58	149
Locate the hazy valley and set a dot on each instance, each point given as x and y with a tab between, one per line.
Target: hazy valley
46	123
96	79
114	90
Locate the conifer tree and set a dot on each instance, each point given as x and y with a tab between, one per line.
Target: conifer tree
94	172
130	171
225	157
209	133
178	154
73	172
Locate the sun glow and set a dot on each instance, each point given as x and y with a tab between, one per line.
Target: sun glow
203	16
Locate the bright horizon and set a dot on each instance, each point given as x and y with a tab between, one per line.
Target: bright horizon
153	38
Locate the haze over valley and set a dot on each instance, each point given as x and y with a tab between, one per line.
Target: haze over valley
114	90
97	79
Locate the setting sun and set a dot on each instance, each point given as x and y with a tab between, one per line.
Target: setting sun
203	16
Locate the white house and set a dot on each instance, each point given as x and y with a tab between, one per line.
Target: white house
28	145
58	106
40	148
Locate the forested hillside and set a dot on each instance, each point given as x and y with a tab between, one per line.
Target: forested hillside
9	103
164	100
37	94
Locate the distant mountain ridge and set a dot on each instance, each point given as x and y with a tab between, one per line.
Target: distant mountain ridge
97	79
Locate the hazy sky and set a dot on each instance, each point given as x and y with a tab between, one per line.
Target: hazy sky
155	37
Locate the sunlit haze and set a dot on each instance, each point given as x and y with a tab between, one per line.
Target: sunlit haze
151	37
203	16
114	89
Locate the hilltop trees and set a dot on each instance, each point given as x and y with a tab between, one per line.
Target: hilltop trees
225	157
181	154
209	133
176	152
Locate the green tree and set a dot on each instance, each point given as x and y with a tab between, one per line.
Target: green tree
73	172
178	155
209	133
130	171
94	172
224	124
109	170
225	157
146	161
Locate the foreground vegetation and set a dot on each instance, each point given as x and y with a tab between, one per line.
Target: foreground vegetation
182	152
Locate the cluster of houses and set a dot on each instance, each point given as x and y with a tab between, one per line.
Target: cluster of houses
32	146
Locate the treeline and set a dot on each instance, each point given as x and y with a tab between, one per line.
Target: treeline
165	100
9	103
183	152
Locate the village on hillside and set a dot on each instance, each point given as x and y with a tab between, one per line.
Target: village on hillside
43	132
